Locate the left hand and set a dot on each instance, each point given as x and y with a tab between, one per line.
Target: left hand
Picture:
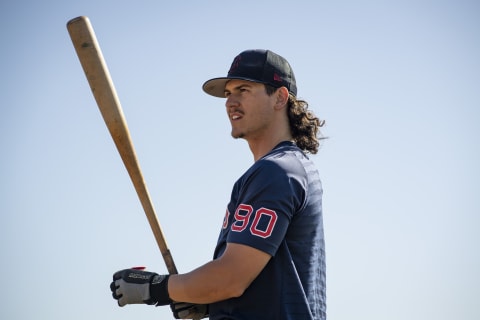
184	310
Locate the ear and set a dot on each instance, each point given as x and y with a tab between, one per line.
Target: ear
282	97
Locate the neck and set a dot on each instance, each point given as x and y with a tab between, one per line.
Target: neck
259	148
276	131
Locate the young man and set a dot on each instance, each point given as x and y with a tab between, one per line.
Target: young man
269	262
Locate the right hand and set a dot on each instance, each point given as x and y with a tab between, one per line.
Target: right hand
133	286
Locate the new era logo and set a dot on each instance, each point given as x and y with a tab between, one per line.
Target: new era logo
277	78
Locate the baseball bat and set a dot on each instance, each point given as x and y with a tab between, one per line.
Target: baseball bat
93	64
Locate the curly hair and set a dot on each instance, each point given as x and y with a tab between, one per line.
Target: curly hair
304	125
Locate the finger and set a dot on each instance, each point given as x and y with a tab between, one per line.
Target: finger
118	289
113	286
183	314
121	302
182	306
116	296
118	275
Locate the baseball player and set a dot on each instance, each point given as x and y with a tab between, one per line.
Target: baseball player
269	262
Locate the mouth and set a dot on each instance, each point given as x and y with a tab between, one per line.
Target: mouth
235	116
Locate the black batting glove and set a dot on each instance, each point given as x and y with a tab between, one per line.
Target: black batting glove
132	286
184	310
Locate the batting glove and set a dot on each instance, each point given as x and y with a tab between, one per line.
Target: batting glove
183	310
132	286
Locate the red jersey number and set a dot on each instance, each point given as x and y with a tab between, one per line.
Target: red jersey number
242	217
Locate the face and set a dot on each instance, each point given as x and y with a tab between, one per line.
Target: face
249	109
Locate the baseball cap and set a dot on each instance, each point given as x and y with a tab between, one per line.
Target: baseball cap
263	66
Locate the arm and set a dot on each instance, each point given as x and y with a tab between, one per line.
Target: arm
226	277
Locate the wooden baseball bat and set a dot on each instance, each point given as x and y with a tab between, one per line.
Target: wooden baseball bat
91	58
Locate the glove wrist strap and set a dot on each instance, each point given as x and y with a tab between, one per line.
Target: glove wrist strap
159	290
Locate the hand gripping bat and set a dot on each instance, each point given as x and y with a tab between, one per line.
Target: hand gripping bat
98	76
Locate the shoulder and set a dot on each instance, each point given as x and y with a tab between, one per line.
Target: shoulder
289	160
280	166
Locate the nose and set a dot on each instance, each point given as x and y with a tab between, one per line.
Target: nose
231	101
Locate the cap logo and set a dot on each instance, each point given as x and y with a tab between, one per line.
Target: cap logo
235	64
277	78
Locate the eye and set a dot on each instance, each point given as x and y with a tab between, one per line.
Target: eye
226	94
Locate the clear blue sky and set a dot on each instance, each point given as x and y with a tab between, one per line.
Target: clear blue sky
398	83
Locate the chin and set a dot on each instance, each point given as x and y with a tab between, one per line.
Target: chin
237	135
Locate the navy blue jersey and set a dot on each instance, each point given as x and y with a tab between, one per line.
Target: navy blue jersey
276	207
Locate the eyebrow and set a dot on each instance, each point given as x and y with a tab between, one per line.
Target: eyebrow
240	86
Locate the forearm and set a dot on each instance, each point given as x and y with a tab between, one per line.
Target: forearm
209	283
226	277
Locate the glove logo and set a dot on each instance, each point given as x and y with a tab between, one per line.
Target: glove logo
133	275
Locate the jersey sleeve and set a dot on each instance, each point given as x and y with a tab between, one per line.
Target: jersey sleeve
266	200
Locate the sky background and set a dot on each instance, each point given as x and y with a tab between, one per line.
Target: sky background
398	83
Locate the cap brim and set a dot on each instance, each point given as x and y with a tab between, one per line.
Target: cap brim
216	86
